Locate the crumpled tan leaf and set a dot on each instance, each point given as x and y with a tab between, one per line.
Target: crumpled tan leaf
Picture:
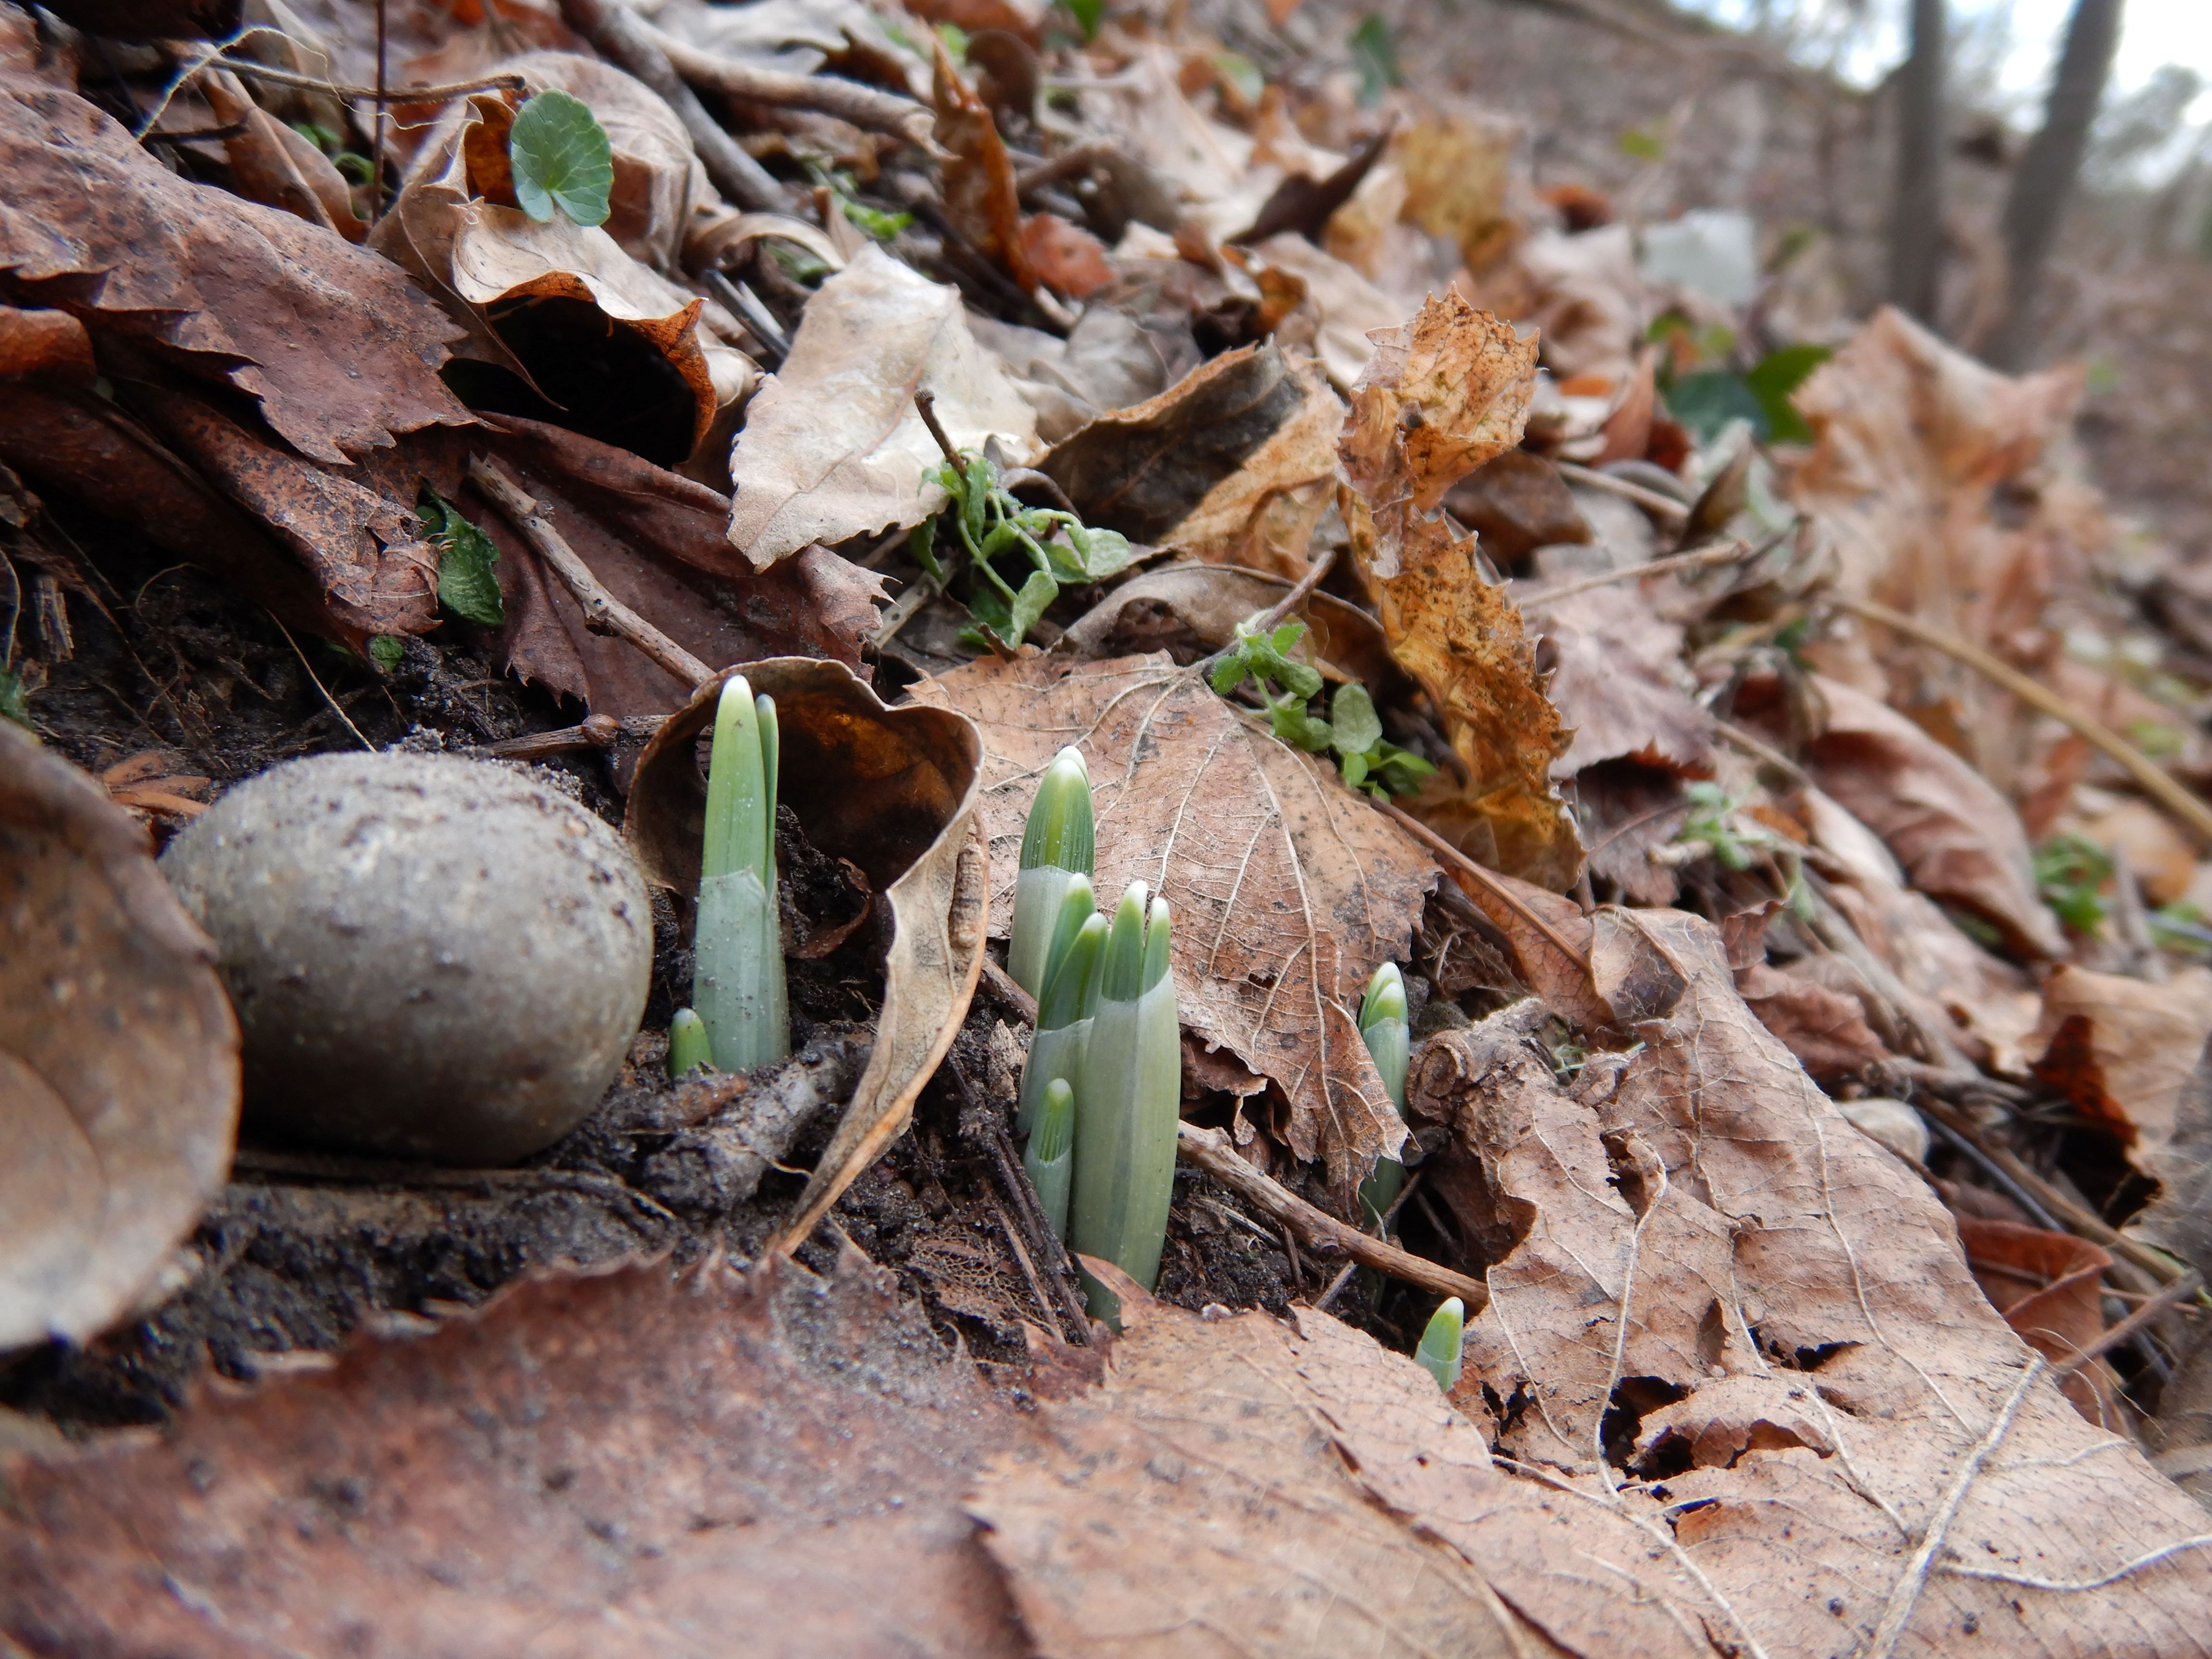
1446	394
2121	1049
119	1055
832	445
1288	891
1721	1314
621	1463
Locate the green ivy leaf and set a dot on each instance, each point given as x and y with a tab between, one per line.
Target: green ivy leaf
466	585
561	159
1776	376
1352	715
386	652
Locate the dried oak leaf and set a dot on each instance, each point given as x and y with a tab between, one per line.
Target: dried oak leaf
338	347
624	1463
833	447
980	196
894	790
1445	393
1288	890
1692	1251
119	1055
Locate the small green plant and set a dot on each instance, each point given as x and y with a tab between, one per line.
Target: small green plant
1066	1010
989	523
1375	55
2068	871
873	222
1439	1352
2179	927
1088	15
1058	846
1050	1156
1642	145
1130	1094
738	983
561	158
688	1047
386	652
466	584
1713	825
1352	729
1383	1029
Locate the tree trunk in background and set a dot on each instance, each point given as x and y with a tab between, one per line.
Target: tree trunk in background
1916	224
2041	188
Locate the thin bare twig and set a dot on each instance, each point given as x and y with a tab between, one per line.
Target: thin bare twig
337	707
2156	782
1718	553
1299	592
601	609
828	94
925	405
250	70
2180	1291
1650	499
1383	1231
1210	1150
1505	896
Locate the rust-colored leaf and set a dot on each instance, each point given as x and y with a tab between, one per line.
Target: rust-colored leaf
627	1463
2121	1049
2048	1288
119	1055
1444	394
1288	890
894	790
979	197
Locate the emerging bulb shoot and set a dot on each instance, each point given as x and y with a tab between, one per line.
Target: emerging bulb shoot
738	983
1057	847
1050	1158
1439	1352
1064	1011
688	1048
1383	1027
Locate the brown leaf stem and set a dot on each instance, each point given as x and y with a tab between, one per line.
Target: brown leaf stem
1210	1150
828	94
1296	596
2156	782
1718	553
1459	860
246	69
601	608
2180	1291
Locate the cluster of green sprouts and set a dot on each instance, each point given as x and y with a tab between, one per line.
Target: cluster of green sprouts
740	1016
1352	728
1045	546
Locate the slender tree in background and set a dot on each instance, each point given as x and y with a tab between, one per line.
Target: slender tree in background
2045	183
1916	227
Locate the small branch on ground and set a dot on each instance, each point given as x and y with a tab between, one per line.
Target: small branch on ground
827	95
1650	499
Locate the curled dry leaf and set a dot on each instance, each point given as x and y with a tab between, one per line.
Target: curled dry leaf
624	1463
1825	1029
979	197
1234	463
339	350
1617	685
2121	1049
895	790
1288	890
1723	1317
1348	308
119	1055
1447	393
833	447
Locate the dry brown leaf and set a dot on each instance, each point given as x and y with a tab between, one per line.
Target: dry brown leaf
1446	394
1351	308
1721	1315
894	790
832	445
2120	1049
1458	165
1617	681
1957	837
1233	463
979	197
118	1056
2048	1286
627	1463
1288	890
1826	1029
1518	502
271	164
338	349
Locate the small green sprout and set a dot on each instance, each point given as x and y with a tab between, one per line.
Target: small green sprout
1383	1028
688	1048
990	523
738	983
1058	846
561	158
1069	1004
466	585
1354	729
1439	1353
2069	871
386	652
1050	1157
1130	1091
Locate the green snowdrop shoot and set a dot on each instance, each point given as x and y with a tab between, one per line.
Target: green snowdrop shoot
1440	1343
1056	852
688	1048
1070	999
1383	1027
1129	1097
737	982
1050	1157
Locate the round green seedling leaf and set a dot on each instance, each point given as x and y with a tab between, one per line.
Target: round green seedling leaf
561	159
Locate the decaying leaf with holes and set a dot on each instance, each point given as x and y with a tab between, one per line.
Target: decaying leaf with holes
895	790
1441	395
1721	1314
119	1055
1288	890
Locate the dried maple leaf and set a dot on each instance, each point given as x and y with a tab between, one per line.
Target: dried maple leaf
1444	394
832	445
338	347
1720	1314
119	1055
627	1463
1288	890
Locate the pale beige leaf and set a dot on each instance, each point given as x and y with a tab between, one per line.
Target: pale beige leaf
833	447
1287	890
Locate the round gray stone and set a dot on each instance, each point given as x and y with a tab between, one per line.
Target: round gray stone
430	957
